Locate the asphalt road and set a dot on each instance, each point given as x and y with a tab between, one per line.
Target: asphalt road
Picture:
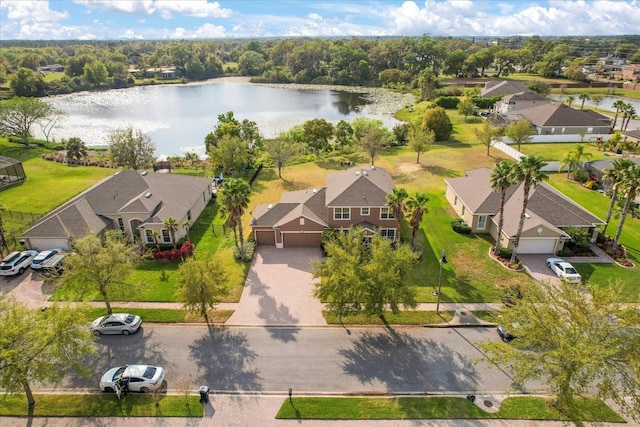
308	360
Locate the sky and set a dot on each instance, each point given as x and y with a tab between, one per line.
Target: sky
207	19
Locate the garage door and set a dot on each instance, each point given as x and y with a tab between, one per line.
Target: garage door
301	239
265	238
536	246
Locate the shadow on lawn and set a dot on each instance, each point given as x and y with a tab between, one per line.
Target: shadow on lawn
403	362
226	359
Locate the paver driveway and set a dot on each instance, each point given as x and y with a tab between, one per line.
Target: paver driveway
278	290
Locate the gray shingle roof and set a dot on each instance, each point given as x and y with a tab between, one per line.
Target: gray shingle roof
169	196
554	114
546	205
505	87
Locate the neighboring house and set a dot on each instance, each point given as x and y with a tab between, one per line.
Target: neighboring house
520	101
631	72
549	213
53	68
355	197
558	119
11	171
632	135
597	168
500	88
135	202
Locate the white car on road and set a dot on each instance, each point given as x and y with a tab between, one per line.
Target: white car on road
564	270
117	323
141	378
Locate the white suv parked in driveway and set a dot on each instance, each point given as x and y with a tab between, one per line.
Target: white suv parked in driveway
16	262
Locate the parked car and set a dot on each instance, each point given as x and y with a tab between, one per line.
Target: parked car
16	262
564	270
505	334
117	323
140	378
42	257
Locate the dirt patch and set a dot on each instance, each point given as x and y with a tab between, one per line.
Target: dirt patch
409	168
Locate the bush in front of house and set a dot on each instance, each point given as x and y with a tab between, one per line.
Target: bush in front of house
505	253
246	253
459	226
184	252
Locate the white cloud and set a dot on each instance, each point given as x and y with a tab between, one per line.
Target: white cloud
142	7
194	8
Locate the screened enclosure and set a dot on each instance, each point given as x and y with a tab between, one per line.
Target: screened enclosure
11	171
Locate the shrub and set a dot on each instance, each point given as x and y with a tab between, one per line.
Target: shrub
449	102
580	175
459	226
566	252
185	251
505	253
246	253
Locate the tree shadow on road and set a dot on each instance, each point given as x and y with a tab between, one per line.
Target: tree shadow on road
226	359
405	363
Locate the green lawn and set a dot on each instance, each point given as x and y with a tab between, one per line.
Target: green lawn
403	408
602	274
162	315
409	317
102	405
557	151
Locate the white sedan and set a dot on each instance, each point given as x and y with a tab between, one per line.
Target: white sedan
140	378
117	323
564	270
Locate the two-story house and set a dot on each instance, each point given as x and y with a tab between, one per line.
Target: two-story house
355	197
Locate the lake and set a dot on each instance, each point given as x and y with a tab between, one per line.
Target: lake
606	105
178	117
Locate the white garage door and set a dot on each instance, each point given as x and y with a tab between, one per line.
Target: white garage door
536	246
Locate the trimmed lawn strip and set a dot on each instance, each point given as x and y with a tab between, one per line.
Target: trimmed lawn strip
163	315
409	317
101	405
364	408
557	151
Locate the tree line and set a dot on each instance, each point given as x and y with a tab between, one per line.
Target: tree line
390	62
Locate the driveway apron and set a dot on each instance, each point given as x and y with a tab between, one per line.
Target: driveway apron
278	290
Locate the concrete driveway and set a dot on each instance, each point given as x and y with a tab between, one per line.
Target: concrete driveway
278	290
536	266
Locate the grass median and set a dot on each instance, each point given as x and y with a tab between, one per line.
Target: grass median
102	405
368	408
163	315
408	317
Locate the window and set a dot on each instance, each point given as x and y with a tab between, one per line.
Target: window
386	213
121	224
455	201
389	233
149	235
301	221
341	213
482	222
166	238
189	216
364	211
463	209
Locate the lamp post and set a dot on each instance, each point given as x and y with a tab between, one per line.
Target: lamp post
443	261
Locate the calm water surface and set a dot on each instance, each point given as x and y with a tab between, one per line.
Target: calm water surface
177	117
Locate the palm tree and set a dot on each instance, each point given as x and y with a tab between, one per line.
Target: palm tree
395	201
229	222
583	97
171	224
570	100
156	237
187	226
417	207
501	181
618	105
629	188
234	196
629	114
76	149
573	159
615	176
3	240
529	172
